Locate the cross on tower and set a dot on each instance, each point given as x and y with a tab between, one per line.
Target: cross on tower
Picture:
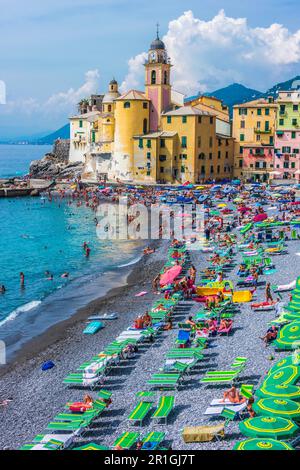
157	30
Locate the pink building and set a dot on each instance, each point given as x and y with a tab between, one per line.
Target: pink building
287	154
258	162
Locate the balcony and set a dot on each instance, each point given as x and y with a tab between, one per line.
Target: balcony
262	131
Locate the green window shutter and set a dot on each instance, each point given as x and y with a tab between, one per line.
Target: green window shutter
242	137
169	119
141	145
184	142
184	119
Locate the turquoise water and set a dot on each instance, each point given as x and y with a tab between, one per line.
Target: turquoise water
15	159
38	236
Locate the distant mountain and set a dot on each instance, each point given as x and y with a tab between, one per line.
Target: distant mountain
294	83
235	94
62	133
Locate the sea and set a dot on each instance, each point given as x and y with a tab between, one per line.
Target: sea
39	237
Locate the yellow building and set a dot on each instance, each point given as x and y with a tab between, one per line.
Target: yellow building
152	137
254	126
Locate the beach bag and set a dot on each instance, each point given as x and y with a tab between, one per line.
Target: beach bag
48	365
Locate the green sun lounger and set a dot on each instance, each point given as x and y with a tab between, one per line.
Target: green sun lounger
169	381
86	417
246	390
105	394
127	440
66	426
219	377
50	445
239	362
152	440
140	412
164	408
146	394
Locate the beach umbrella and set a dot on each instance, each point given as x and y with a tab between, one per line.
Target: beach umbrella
222	205
277	406
293	359
91	446
289	336
287	375
268	426
169	276
290	392
260	217
262	444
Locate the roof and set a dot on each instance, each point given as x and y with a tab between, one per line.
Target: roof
91	114
222	136
110	97
133	95
157	44
155	135
256	103
187	111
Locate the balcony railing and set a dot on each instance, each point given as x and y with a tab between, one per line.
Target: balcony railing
257	130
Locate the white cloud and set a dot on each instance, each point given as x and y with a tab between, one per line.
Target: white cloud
214	53
62	103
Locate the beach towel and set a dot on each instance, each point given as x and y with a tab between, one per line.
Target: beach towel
141	294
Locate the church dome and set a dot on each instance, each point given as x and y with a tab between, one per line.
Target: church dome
157	44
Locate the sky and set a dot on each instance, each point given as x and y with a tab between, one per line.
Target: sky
55	52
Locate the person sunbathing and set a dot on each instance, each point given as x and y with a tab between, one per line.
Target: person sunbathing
88	400
250	410
270	336
147	319
191	322
233	395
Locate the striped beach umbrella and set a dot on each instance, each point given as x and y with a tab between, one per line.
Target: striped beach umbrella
293	359
262	444
287	375
268	426
91	446
290	392
289	336
277	406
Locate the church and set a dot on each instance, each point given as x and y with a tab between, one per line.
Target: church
155	135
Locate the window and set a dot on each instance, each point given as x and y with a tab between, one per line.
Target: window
201	156
243	111
259	112
282	109
241	149
184	156
126	105
210	141
184	119
210	156
226	155
241	163
218	169
199	141
211	120
149	144
166	78
294	122
295	107
148	173
153	77
182	169
169	119
183	142
219	154
242	125
162	169
145	126
141	145
258	124
267	126
211	170
162	158
199	119
271	140
267	111
145	105
293	165
202	170
242	137
162	143
258	138
281	122
148	155
293	135
80	123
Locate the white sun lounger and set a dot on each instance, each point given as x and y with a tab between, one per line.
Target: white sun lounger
217	410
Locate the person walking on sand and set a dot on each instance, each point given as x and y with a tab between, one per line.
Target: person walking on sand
268	293
22	280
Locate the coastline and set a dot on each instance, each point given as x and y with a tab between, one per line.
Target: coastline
67	347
